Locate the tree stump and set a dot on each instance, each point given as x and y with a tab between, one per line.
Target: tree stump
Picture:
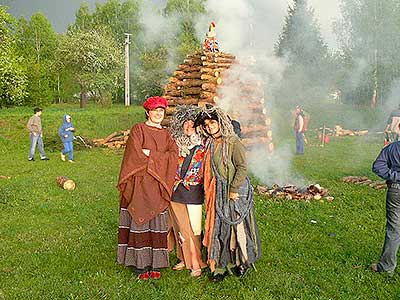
65	183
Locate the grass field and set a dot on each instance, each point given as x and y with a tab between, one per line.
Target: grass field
56	244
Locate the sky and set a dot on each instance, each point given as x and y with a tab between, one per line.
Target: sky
62	12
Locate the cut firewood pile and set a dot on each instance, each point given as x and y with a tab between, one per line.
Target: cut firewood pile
115	140
339	131
292	192
211	76
84	141
364	180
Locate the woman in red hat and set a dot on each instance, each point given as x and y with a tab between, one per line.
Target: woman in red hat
145	184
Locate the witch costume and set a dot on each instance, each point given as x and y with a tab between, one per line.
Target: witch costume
231	232
188	195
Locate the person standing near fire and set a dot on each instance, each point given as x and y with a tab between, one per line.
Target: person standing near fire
392	130
299	129
387	166
231	232
145	184
188	196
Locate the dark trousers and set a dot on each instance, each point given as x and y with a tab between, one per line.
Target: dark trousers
299	143
388	259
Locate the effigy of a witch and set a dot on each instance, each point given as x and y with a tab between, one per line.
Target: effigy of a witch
215	77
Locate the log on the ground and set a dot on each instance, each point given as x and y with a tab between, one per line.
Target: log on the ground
65	183
109	137
4	177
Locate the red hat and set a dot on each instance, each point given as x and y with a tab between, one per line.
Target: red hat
154	102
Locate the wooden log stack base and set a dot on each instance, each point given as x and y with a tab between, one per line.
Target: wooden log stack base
199	80
65	183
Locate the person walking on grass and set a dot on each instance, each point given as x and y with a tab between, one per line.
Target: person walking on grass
387	166
66	133
36	135
145	184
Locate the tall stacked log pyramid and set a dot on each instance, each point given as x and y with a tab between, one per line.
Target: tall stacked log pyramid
204	78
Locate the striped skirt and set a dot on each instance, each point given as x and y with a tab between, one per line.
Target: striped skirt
143	246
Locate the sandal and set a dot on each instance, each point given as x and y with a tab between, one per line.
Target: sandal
179	266
196	273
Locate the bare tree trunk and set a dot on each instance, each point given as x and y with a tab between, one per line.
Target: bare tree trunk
84	98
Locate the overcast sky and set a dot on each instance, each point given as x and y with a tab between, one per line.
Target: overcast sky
62	12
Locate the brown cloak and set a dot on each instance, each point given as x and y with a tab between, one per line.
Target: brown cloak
146	182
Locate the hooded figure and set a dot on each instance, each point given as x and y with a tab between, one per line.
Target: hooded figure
66	133
231	233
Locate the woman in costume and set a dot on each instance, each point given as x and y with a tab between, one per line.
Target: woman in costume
188	195
145	185
231	232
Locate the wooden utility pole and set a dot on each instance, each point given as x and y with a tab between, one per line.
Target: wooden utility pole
127	43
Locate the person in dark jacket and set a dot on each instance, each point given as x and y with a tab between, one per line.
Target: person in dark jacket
66	133
387	166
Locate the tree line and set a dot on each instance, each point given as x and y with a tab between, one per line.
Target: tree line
39	66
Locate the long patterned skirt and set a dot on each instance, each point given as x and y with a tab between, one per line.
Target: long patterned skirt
143	246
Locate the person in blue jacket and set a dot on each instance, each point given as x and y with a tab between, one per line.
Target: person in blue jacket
387	166
66	133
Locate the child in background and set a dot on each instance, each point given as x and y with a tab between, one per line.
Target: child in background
66	133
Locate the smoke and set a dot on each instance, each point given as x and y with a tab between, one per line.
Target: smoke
248	30
159	29
392	102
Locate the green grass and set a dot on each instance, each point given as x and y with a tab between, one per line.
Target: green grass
57	244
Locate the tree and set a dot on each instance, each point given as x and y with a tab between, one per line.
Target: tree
96	61
369	43
12	75
308	72
37	43
187	11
